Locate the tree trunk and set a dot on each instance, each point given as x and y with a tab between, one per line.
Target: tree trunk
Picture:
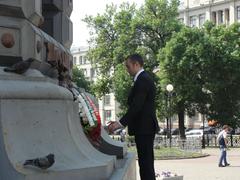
181	124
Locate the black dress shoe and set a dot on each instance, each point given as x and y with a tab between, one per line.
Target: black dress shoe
220	165
227	164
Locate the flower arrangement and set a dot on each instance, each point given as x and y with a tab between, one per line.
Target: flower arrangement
167	175
89	118
95	133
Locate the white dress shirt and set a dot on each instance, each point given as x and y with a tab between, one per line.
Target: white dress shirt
138	73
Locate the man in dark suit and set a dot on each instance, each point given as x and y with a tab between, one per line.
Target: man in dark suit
141	116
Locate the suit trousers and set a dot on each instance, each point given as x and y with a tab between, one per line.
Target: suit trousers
145	153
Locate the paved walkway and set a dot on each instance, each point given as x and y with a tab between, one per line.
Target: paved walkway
203	168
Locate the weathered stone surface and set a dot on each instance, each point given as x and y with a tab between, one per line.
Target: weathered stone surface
32	127
111	147
57	20
14	48
37	118
28	9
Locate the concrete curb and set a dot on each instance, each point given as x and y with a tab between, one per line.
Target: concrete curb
180	158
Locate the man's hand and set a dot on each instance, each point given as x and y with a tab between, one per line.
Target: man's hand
113	125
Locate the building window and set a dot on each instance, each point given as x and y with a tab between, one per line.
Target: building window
193	21
214	17
92	73
238	12
108	115
107	100
201	20
174	118
220	17
84	72
195	117
74	60
84	60
80	60
181	5
181	20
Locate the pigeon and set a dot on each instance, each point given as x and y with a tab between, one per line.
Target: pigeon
20	67
42	163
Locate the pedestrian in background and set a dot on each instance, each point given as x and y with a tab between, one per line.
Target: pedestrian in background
222	141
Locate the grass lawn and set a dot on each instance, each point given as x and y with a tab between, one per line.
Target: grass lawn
171	153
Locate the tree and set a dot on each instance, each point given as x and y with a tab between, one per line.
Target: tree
156	20
80	80
208	58
223	78
120	32
179	62
121	86
113	38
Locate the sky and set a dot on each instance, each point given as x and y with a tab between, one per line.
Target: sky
81	8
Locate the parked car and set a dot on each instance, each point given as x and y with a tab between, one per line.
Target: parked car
175	131
188	129
162	131
209	130
237	131
195	133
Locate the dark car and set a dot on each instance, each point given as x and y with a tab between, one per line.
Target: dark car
209	130
175	131
163	131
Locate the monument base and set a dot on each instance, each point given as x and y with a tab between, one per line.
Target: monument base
38	117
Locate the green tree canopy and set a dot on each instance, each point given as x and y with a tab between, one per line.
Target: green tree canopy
207	59
156	20
113	38
121	31
121	85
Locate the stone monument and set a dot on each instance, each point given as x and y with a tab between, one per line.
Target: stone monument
38	114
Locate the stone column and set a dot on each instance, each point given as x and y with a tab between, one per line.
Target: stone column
208	14
186	17
226	16
232	13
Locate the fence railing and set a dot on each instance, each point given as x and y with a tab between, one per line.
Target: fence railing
189	144
210	140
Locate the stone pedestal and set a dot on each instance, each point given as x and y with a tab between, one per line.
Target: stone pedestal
37	114
38	117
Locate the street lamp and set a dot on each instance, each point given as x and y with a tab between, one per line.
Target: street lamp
169	89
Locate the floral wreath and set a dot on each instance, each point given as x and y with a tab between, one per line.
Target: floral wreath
89	118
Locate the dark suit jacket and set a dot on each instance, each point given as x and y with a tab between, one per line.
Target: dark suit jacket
141	115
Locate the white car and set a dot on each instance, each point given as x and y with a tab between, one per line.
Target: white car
195	133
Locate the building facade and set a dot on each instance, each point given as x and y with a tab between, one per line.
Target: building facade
108	106
195	12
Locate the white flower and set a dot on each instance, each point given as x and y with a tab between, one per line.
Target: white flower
165	174
86	109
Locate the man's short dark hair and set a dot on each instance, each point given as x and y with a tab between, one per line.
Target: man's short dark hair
225	127
135	58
